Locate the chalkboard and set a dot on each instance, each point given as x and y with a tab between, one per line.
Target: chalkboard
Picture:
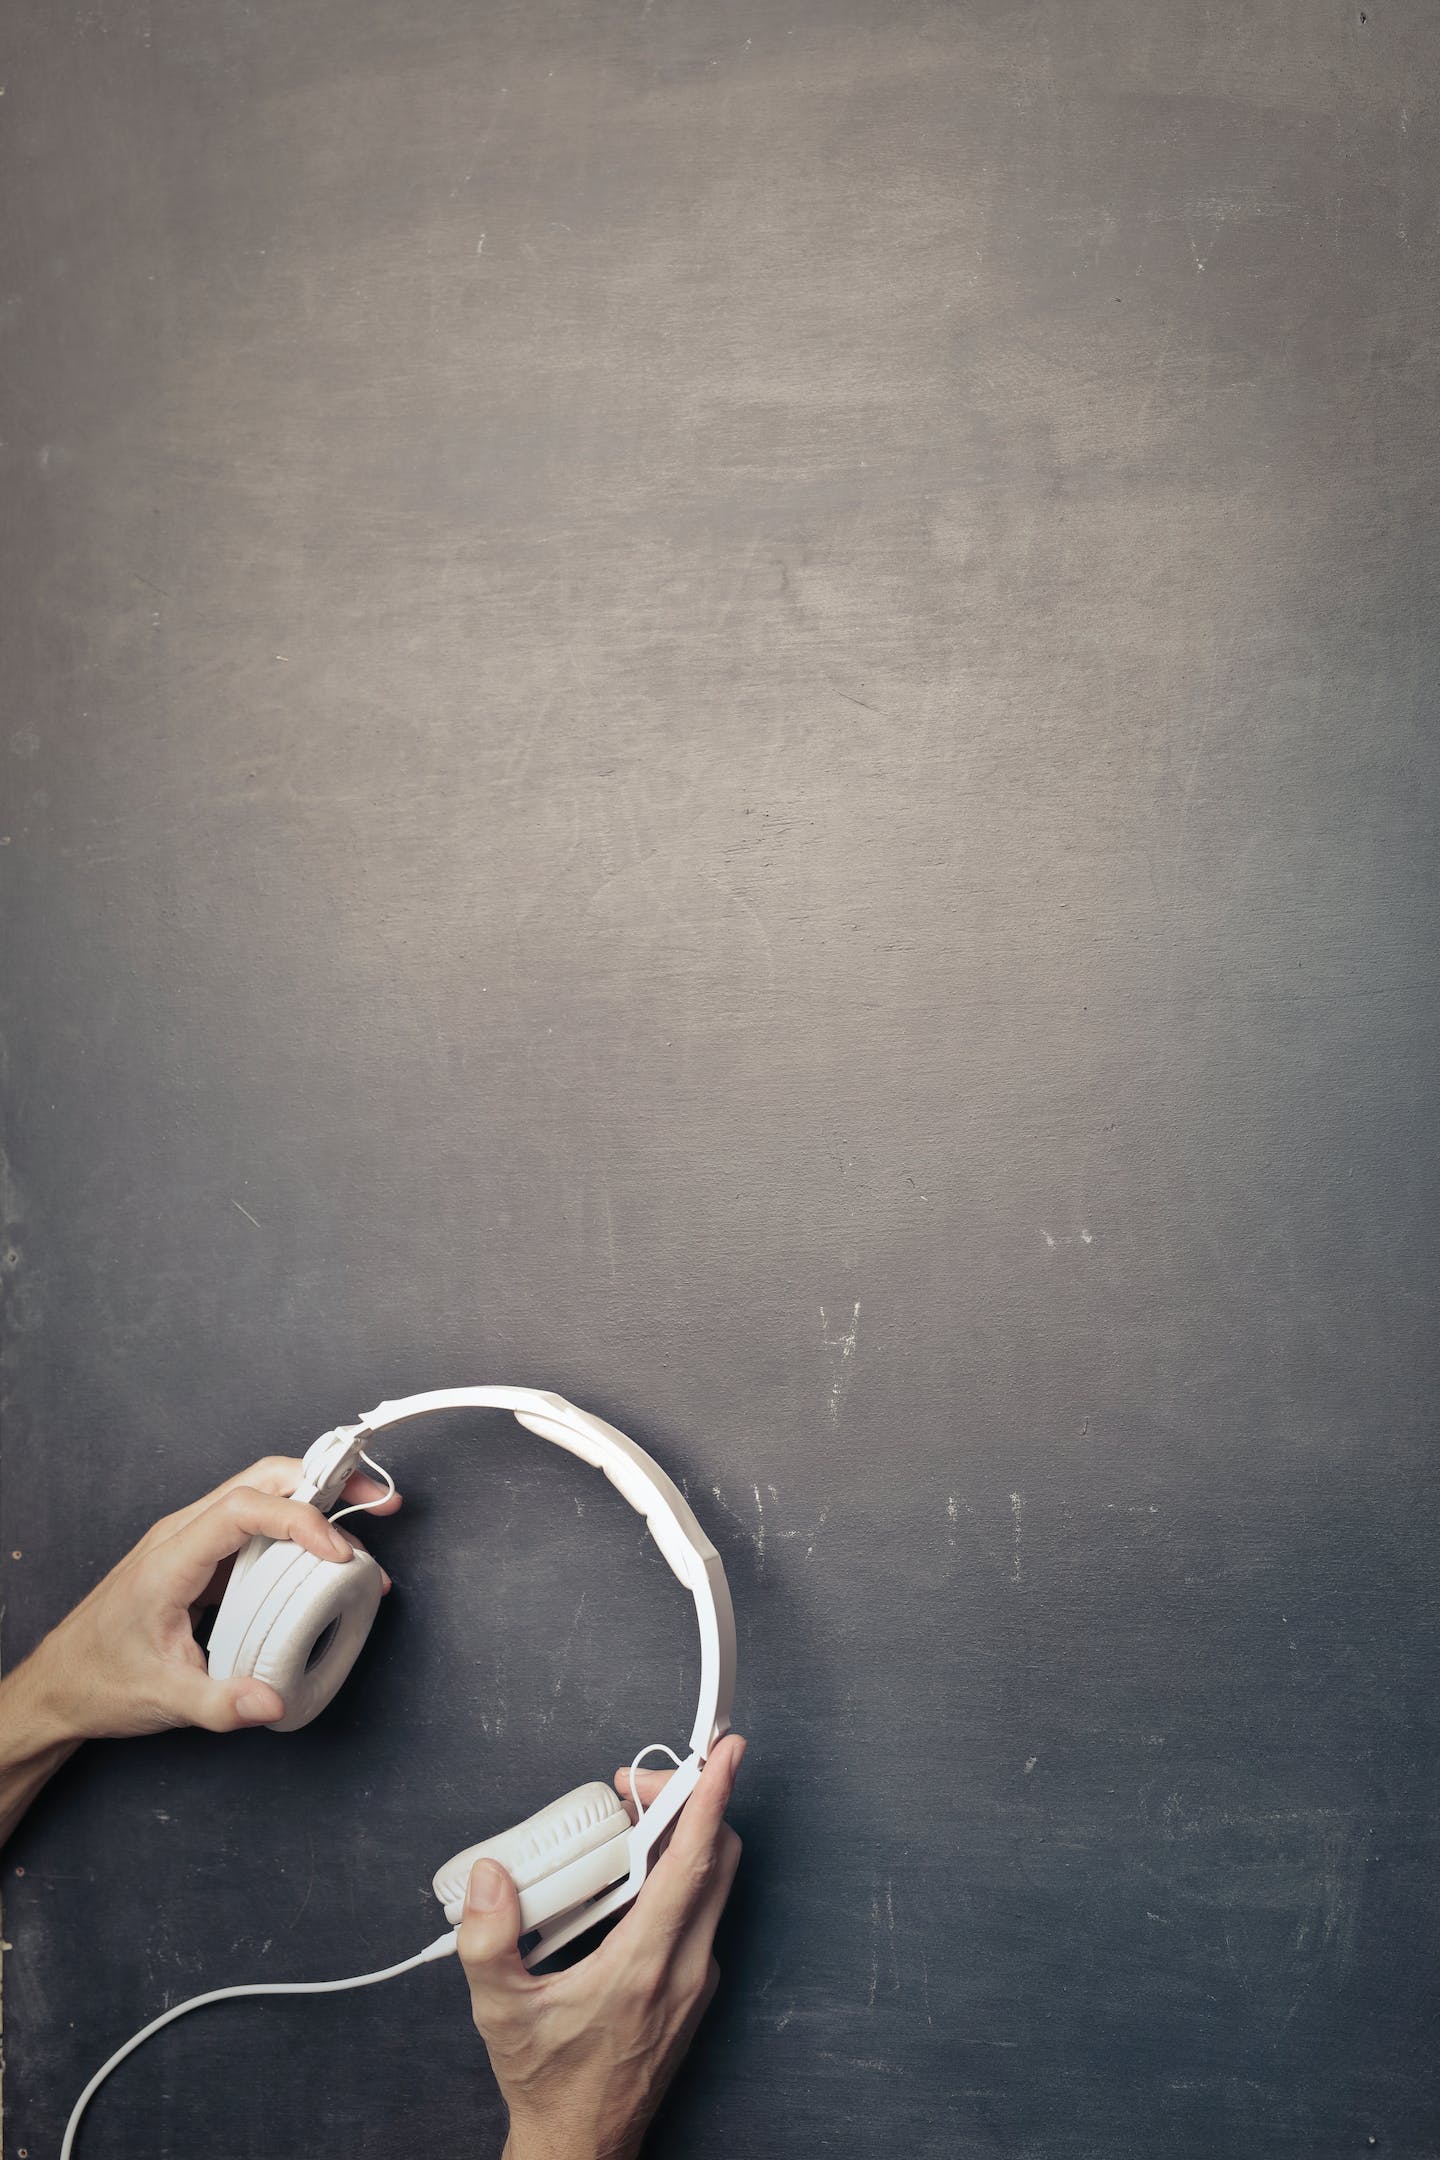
732	708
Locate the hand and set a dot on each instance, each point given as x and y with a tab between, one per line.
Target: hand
582	2057
126	1661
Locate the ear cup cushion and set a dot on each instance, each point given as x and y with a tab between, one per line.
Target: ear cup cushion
575	1824
308	1630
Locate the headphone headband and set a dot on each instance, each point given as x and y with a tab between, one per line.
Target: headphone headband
636	1476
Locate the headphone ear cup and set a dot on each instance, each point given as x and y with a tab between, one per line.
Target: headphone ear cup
307	1623
580	1822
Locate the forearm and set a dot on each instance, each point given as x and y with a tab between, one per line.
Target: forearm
34	1739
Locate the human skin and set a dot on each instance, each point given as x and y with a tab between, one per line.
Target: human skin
583	2057
126	1660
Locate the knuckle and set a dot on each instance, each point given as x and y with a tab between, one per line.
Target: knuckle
494	2020
270	1472
488	2022
700	1868
158	1712
642	1979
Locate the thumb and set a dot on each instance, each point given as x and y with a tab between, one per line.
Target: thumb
222	1705
487	1940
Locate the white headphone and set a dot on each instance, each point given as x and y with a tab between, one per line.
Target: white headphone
299	1623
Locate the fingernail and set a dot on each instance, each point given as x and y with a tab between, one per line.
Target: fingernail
257	1706
341	1547
485	1888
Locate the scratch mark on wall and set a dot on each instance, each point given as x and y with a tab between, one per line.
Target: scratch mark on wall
883	1941
844	1343
310	1882
819	1526
569	1643
245	1212
756	1536
1017	1512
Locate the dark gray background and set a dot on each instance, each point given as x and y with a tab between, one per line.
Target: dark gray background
732	707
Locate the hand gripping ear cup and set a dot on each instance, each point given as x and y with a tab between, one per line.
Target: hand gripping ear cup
310	1620
544	1843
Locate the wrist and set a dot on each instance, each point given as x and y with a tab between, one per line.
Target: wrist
552	2141
38	1717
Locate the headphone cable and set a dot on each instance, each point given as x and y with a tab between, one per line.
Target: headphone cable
443	1946
656	1747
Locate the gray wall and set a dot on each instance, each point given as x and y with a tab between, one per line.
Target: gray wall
732	707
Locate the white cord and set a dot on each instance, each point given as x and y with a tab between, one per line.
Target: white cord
363	1507
442	1946
656	1747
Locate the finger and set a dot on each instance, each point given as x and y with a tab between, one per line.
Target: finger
642	1787
187	1561
700	1819
682	1881
193	1698
488	1945
272	1474
685	1931
277	1474
356	1546
214	1589
649	1935
706	1916
368	1492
